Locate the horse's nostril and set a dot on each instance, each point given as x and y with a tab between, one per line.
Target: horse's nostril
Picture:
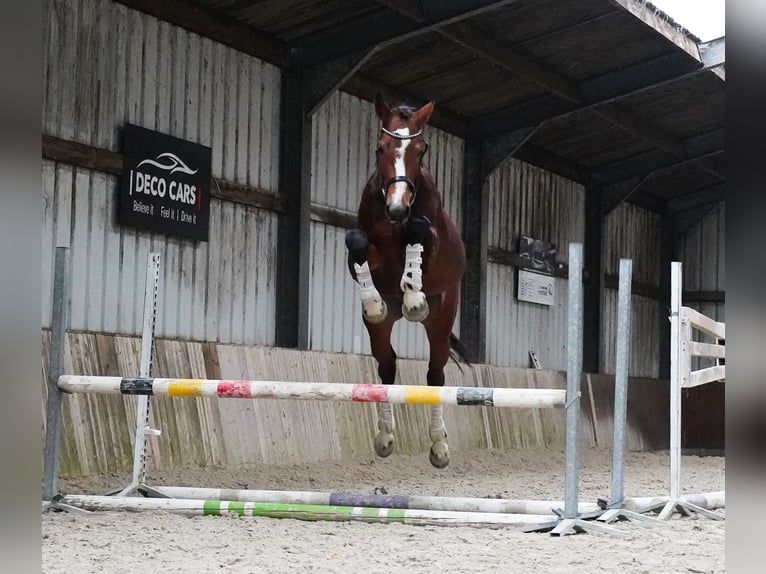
396	212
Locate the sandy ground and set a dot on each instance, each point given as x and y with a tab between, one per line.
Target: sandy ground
119	542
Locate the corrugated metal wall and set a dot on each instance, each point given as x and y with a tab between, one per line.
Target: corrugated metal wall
703	254
634	233
104	65
345	134
525	200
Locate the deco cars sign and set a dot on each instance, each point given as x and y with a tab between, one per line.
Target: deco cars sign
165	184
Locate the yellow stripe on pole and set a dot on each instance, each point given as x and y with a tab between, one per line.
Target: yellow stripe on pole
422	395
185	388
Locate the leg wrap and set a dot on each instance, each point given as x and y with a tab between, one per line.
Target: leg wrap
437	429
386	418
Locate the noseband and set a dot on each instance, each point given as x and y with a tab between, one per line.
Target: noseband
404	178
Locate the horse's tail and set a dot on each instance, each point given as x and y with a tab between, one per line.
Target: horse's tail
457	351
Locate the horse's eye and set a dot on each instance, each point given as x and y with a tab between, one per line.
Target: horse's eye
378	150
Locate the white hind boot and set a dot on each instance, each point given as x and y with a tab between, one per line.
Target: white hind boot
384	440
439	454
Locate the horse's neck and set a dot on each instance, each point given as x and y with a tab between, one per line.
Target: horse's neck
428	198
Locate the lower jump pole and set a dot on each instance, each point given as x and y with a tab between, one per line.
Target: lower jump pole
311	512
365	393
448	503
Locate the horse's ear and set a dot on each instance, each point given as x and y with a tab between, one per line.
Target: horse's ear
382	109
421	116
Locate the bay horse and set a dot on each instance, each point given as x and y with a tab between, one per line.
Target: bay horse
408	259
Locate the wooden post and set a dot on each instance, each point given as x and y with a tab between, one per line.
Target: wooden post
592	291
473	314
667	254
293	236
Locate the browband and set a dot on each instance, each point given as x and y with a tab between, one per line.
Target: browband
400	136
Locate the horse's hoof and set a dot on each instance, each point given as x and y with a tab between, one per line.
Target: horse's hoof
414	306
416	315
439	454
384	444
375	313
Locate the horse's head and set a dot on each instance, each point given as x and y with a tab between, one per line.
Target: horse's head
400	150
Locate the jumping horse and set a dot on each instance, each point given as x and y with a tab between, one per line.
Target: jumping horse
408	259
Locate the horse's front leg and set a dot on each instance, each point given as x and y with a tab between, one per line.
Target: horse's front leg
414	304
373	307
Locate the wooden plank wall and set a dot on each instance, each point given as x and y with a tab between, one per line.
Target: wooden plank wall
635	233
344	136
703	254
525	200
221	290
97	429
103	65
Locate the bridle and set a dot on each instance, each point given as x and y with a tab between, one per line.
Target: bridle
404	178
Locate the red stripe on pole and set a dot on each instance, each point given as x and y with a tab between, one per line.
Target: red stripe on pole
369	393
234	389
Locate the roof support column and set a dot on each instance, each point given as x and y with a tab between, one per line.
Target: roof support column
667	254
293	235
592	291
473	296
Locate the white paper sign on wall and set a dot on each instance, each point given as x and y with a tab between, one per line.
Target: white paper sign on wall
536	288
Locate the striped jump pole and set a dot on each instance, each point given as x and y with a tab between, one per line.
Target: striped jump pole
447	503
707	500
310	512
363	393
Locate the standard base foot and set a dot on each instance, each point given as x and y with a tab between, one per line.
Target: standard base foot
686	508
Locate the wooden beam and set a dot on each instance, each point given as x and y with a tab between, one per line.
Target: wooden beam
385	28
637	287
477	41
606	88
107	161
696	198
553	163
704	297
215	26
473	298
322	80
498	149
710	142
81	155
620	191
332	216
513	259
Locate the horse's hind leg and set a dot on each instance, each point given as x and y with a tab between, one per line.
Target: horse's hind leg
380	341
373	307
414	304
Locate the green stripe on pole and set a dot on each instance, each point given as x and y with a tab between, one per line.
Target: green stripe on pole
211	508
237	506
